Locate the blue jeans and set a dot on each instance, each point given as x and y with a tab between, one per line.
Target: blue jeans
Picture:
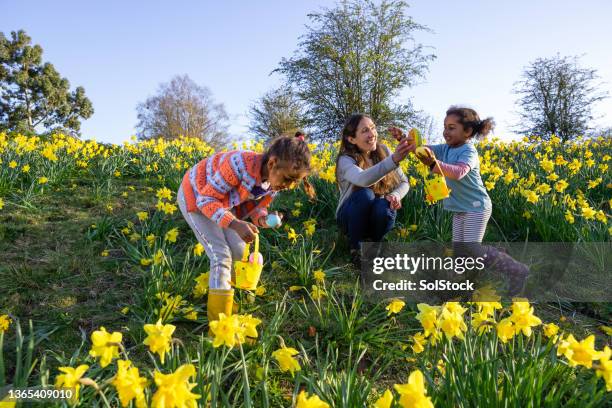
363	215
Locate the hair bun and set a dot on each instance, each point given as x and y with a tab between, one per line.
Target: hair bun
300	135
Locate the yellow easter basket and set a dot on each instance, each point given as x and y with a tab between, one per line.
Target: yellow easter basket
248	270
435	187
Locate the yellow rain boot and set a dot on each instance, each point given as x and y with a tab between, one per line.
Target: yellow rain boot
219	301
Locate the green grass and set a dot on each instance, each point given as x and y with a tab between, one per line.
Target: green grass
52	273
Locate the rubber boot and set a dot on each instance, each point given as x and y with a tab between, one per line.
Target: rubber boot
516	272
219	301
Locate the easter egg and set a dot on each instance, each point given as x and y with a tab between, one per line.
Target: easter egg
256	257
415	136
273	220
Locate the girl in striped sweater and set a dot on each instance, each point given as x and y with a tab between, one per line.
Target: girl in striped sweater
221	192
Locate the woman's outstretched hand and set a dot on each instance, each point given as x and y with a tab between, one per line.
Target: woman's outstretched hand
394	203
402	150
399	135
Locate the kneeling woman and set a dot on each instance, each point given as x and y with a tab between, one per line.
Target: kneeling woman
371	183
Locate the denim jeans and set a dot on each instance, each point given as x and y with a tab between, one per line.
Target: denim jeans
363	217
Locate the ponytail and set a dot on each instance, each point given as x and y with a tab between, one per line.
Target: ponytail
469	119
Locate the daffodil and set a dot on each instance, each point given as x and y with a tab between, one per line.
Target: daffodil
310	227
317	292
159	338
452	324
286	359
579	352
413	394
523	317
174	390
319	275
201	286
395	306
105	345
142	215
248	325
158	257
198	249
129	384
482	322
305	401
505	330
550	330
71	379
384	401
5	322
164	193
561	185
588	213
171	235
418	343
428	316
292	235
226	330
488	308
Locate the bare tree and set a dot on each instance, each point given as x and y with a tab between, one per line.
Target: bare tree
277	112
556	98
183	108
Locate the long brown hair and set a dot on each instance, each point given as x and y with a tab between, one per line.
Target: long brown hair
292	152
389	181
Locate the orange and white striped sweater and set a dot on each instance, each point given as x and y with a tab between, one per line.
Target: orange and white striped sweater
226	186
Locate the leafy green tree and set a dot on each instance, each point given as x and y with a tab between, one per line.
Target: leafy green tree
32	93
556	98
357	57
277	112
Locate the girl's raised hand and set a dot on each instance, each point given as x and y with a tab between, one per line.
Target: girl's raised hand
426	155
397	133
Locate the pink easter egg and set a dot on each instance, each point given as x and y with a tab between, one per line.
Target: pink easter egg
256	256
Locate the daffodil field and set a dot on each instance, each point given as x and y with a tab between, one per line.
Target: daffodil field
103	289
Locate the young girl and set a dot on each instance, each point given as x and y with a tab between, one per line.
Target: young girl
458	159
370	181
468	200
219	193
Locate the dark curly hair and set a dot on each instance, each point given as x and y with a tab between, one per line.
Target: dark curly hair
292	153
469	119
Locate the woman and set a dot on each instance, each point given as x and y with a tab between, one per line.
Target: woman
371	183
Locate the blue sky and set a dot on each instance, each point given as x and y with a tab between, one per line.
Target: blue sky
120	51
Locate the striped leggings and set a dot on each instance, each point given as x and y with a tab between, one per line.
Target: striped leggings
470	226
